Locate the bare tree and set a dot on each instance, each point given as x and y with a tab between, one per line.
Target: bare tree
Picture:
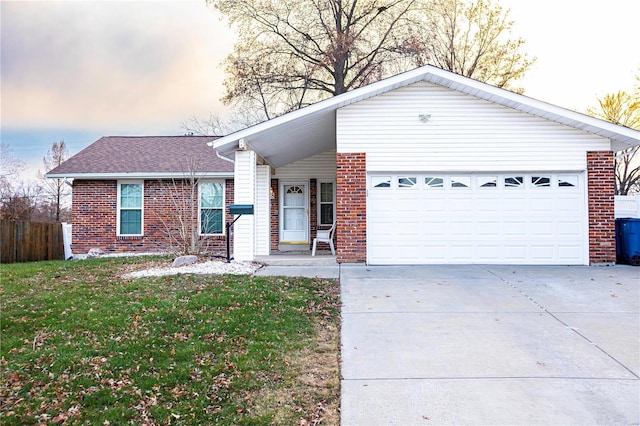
180	219
13	204
10	165
216	125
21	203
623	108
291	53
10	168
470	38
55	191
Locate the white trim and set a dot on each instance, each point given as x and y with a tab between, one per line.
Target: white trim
118	208
269	137
319	201
262	211
223	208
305	185
138	175
244	193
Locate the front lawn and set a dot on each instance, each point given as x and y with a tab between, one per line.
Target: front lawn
80	345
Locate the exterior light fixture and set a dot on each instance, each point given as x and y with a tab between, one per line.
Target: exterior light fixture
424	117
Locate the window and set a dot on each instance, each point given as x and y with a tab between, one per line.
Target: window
570	180
381	181
211	208
326	204
460	181
130	208
432	182
487	181
540	181
407	182
513	182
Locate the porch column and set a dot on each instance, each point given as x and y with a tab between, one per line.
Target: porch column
244	188
351	207
601	184
262	210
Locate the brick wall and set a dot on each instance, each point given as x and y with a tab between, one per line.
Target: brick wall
600	181
351	207
275	216
313	210
94	211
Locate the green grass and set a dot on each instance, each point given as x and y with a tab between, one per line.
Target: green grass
83	346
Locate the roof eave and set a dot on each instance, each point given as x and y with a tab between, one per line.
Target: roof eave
620	137
138	175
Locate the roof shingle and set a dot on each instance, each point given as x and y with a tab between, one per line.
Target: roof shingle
145	154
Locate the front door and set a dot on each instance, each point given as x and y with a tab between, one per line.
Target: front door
294	214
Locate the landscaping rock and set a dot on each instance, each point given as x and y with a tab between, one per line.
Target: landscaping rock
95	252
184	260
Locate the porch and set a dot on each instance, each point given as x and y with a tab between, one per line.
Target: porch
298	258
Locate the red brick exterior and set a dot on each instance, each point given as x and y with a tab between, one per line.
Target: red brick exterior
313	211
94	216
351	207
601	184
275	216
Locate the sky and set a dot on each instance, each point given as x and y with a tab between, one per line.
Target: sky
77	70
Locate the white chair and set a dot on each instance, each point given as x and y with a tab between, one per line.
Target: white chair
325	236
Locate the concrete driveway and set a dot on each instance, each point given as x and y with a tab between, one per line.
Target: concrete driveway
427	345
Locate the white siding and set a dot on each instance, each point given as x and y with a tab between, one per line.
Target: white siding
627	206
464	133
244	193
320	166
261	209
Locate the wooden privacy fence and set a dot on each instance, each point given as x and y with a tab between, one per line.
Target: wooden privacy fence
30	241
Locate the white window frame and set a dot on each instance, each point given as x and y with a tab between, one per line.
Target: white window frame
372	182
459	179
428	186
223	208
319	202
409	178
119	207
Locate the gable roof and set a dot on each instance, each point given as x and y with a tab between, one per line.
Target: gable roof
118	157
312	130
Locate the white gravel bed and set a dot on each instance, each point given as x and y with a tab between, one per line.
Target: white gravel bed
208	267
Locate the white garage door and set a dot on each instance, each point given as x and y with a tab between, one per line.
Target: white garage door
422	218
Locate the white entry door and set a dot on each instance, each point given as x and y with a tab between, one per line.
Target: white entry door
294	218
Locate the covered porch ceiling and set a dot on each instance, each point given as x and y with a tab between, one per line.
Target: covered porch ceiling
312	130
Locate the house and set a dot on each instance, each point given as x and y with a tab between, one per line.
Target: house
424	167
133	194
430	167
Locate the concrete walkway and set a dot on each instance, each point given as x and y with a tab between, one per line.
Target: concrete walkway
490	345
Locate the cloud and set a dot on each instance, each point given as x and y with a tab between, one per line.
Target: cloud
126	65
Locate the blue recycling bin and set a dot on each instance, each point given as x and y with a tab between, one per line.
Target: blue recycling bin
628	240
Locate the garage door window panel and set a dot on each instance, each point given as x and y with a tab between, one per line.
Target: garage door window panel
567	181
405	182
514	182
434	182
541	181
461	182
381	182
487	182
